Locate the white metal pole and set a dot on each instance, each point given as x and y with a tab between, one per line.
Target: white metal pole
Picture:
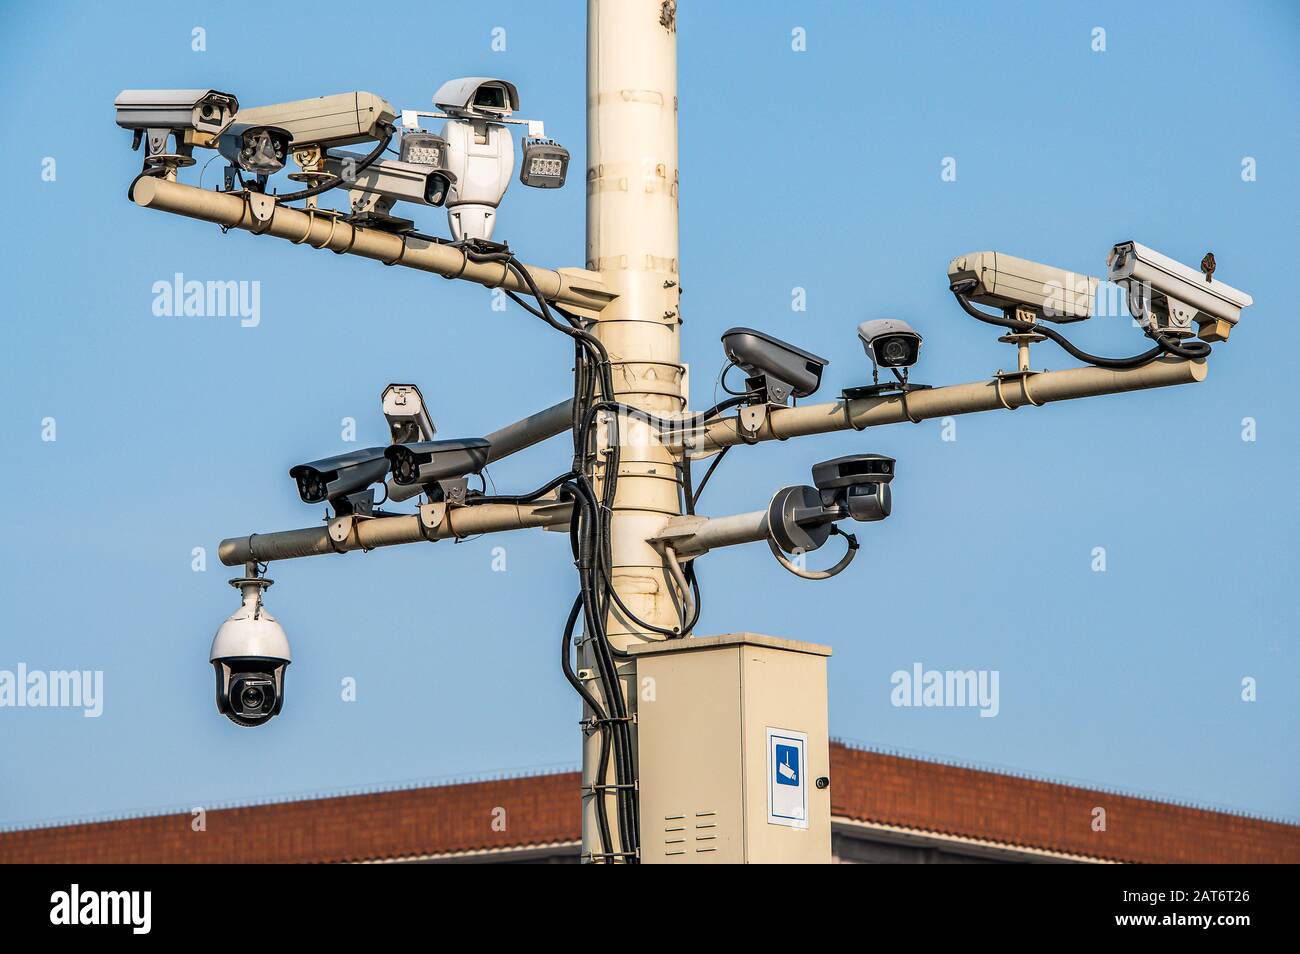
632	244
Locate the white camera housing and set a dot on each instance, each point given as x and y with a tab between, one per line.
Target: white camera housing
1168	296
251	631
481	157
407	414
343	119
205	111
391	179
890	342
249	655
1007	282
477	97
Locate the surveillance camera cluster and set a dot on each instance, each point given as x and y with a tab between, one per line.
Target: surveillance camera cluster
777	371
416	462
801	519
1165	297
465	167
250	651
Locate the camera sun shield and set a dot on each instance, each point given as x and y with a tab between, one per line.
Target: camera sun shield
775	366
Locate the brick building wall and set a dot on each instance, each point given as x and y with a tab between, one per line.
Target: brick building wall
866	787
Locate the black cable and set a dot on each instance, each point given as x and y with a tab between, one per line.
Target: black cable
589	537
688	494
521	498
602	723
1164	345
669	423
599	533
334	181
723	380
624	768
713	465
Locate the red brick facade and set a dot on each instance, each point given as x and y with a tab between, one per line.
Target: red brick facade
866	786
946	799
538	810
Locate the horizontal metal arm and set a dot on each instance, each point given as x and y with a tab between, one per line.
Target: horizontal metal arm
1006	392
577	288
531	430
433	522
692	536
501	443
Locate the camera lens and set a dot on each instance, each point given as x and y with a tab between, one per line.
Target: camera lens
895	350
252	698
435	191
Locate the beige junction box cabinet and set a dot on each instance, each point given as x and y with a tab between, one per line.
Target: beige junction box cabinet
732	739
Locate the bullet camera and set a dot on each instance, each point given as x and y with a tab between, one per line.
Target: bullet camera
206	111
340	480
261	150
343	119
775	367
426	462
250	653
390	180
191	116
1167	296
1006	282
890	342
477	97
408	418
856	486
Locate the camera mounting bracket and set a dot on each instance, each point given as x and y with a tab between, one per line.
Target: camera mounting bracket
751	418
432	515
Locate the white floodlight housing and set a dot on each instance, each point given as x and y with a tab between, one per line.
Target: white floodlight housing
249	655
1007	282
477	97
424	149
1167	296
481	156
343	119
544	165
257	149
391	179
408	417
205	111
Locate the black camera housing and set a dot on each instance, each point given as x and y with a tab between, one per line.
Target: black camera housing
858	485
336	478
425	462
250	689
775	367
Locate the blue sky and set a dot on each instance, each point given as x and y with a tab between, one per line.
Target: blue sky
817	169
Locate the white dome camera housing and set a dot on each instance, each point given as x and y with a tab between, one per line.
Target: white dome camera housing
249	656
